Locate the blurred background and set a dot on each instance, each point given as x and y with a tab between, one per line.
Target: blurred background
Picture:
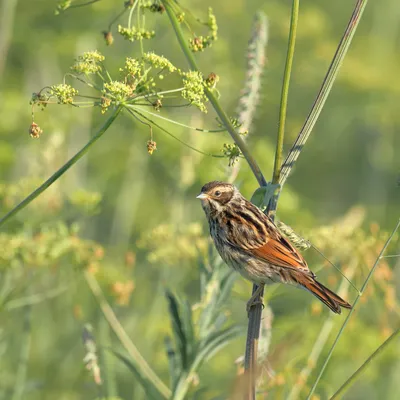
132	218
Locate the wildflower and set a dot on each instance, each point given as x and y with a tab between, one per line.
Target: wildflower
108	37
35	131
232	152
151	146
40	99
132	67
123	291
88	63
194	89
157	105
105	103
133	34
64	93
117	90
212	80
157	61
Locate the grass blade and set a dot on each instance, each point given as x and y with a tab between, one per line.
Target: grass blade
150	390
177	328
63	169
360	370
352	310
323	92
140	362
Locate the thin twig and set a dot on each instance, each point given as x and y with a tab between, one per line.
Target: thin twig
328	357
123	336
62	170
323	92
212	98
360	370
320	341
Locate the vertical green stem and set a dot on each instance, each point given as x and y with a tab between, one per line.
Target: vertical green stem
212	98
285	91
324	91
106	360
253	329
125	340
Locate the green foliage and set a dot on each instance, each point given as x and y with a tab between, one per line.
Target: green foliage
133	223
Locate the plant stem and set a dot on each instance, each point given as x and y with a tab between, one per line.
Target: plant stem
323	92
212	98
285	91
321	340
360	370
352	310
124	338
62	170
253	330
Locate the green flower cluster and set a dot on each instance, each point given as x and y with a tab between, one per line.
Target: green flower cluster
64	93
153	6
157	61
51	246
39	99
133	34
194	89
62	6
88	63
132	67
199	43
116	92
232	152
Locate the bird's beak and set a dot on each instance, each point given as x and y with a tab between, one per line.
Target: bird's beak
202	196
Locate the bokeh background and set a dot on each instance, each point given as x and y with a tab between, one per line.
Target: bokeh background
133	220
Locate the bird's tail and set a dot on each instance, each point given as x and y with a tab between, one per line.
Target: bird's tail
329	298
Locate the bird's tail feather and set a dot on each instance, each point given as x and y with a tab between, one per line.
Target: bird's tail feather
329	298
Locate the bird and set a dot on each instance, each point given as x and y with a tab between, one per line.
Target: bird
249	242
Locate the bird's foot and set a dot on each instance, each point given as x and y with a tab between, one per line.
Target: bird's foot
255	299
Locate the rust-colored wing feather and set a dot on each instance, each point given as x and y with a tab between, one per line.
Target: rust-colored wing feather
278	250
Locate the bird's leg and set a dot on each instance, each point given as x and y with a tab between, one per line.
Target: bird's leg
255	298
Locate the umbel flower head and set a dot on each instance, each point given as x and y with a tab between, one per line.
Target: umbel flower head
88	63
193	91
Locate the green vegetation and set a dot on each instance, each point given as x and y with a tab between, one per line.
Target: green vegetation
109	285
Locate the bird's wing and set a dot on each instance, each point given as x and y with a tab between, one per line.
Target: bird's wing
277	250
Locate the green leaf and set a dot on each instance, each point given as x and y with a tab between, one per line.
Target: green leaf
262	196
214	342
148	386
173	364
178	329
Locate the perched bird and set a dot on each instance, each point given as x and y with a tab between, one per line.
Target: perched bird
250	243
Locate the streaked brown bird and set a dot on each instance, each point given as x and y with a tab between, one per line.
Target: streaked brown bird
250	243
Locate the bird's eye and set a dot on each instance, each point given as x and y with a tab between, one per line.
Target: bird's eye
217	193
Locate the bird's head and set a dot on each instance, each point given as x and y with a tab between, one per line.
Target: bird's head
215	196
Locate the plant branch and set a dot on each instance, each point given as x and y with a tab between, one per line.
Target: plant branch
253	330
116	326
360	370
323	92
285	91
212	98
352	309
62	170
321	340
